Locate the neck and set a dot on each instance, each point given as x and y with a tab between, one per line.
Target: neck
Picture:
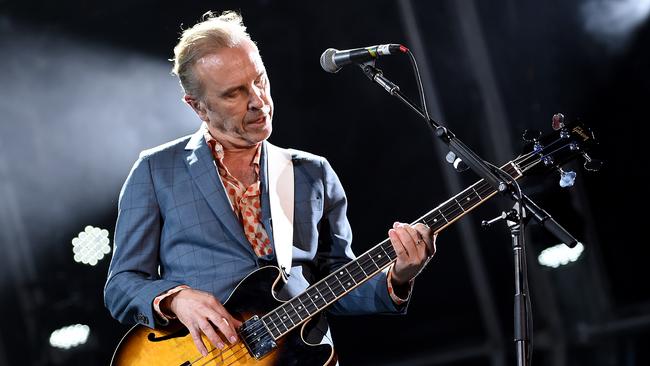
239	153
235	150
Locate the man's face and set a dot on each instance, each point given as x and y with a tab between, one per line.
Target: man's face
236	103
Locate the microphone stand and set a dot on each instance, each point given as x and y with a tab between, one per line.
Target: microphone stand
515	219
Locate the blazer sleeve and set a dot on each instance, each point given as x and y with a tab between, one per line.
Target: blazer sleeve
133	277
335	250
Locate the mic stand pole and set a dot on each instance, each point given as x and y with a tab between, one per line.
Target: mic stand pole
522	312
474	162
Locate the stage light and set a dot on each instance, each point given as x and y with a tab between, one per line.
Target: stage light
91	245
613	22
70	336
560	255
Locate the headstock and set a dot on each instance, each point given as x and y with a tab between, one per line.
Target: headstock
552	151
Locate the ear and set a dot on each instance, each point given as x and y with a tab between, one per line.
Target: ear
197	105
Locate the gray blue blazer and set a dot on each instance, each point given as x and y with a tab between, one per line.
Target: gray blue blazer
176	226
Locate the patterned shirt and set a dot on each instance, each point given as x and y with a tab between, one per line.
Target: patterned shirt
245	201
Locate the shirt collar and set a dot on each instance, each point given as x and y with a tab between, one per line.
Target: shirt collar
217	149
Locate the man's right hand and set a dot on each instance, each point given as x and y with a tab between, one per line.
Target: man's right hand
201	312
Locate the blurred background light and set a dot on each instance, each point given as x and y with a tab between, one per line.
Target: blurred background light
91	245
614	21
560	255
70	336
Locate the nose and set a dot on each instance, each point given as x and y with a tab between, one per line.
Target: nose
256	100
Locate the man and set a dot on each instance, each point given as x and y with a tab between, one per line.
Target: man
194	216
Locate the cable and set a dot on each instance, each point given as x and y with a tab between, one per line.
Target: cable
418	81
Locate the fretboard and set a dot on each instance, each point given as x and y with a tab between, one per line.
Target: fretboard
336	285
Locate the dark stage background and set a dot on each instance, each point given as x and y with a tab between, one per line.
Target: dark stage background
85	86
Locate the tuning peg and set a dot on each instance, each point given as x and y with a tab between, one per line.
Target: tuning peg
558	121
567	179
531	135
592	165
548	160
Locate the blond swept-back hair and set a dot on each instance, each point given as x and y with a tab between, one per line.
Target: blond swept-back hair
211	34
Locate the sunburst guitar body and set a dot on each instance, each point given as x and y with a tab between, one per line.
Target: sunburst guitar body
251	299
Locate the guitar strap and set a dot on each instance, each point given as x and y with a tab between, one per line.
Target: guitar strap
281	197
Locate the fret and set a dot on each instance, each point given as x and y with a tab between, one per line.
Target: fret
443	216
345	282
279	323
474	189
390	251
354	281
286	316
292	313
373	261
317	298
436	219
295	311
372	266
361	268
379	257
276	332
326	291
474	199
355	272
300	307
452	211
306	300
334	285
459	205
486	188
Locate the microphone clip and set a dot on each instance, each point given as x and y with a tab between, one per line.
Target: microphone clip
377	76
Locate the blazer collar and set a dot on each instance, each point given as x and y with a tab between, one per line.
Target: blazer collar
202	168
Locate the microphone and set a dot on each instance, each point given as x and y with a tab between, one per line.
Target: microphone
332	60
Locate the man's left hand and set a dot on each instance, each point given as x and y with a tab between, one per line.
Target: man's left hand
413	246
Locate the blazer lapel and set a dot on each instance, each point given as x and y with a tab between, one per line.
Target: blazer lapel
201	165
264	193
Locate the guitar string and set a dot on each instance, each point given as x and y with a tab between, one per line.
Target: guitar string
210	351
484	187
296	318
234	353
337	286
355	272
483	190
359	270
480	189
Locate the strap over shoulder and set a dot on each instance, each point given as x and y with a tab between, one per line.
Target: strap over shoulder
281	198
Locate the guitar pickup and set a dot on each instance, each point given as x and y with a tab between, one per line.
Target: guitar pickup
256	337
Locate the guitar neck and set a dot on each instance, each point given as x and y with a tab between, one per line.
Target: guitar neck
336	285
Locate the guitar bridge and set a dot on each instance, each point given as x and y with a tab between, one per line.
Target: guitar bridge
256	337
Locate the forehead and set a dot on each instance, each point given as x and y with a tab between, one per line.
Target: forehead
230	66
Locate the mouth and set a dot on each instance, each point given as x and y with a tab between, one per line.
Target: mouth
259	121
